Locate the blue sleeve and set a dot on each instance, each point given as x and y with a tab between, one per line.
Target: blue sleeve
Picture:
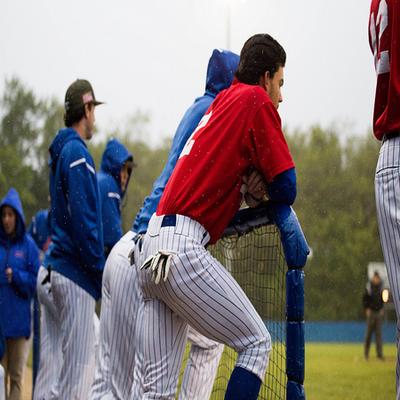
111	214
282	189
32	229
25	280
84	207
294	243
186	127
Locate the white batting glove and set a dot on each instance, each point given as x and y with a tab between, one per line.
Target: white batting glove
159	265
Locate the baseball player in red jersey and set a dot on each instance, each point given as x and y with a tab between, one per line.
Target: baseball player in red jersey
384	38
181	282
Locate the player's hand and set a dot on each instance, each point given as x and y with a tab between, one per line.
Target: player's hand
368	312
256	188
9	273
159	265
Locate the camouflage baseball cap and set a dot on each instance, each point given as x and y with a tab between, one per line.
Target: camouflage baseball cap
78	94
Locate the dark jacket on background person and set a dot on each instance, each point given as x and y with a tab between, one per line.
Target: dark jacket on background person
22	256
76	251
114	157
372	298
220	73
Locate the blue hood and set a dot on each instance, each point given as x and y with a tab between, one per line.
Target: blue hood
12	200
221	70
63	136
114	157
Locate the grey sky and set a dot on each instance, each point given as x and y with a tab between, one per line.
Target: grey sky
152	55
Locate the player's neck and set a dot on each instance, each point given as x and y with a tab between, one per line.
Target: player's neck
79	127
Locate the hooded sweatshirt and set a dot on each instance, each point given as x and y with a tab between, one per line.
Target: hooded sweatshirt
114	157
220	72
39	229
22	256
76	251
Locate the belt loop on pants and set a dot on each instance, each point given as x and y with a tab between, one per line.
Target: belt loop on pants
168	220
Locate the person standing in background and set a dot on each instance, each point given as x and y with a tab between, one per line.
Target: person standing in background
373	306
113	179
75	259
39	229
19	265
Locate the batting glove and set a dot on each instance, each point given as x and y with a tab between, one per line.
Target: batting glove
159	265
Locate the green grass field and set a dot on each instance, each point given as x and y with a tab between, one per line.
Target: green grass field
339	371
336	372
333	372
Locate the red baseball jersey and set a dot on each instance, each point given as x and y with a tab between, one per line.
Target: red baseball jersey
384	38
241	129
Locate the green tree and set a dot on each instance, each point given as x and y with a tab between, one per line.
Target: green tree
336	207
27	125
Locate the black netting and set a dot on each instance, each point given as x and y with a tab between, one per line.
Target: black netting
256	261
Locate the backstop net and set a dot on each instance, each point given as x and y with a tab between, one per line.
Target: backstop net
251	251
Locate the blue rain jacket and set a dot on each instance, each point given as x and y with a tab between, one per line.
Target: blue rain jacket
76	251
220	72
114	157
22	256
39	228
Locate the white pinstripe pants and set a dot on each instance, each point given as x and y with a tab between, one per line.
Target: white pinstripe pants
76	309
120	300
50	341
200	292
118	373
2	384
46	385
387	194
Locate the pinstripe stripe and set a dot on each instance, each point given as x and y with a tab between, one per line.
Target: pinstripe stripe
387	194
198	291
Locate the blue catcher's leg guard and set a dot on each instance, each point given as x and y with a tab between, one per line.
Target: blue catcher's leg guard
243	385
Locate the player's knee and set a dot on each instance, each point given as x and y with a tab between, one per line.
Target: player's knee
263	350
266	345
255	357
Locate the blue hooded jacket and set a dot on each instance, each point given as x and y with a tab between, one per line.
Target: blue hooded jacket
39	228
220	72
114	157
22	256
76	229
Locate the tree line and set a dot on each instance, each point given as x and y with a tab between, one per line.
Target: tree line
335	202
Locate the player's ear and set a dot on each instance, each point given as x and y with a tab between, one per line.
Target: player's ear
265	80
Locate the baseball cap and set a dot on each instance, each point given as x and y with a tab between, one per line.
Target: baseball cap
78	94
